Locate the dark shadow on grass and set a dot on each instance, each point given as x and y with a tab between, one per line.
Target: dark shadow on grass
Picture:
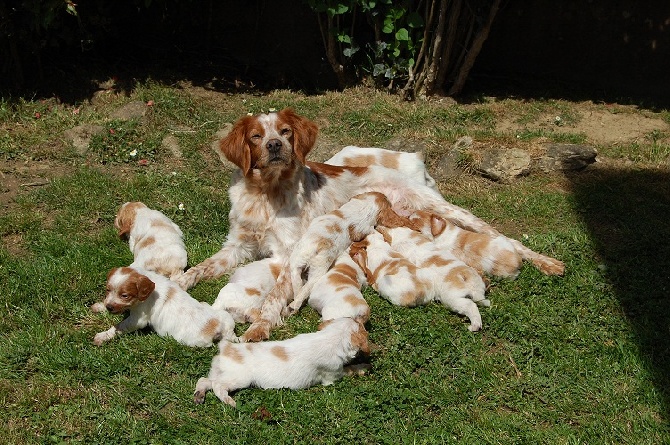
628	215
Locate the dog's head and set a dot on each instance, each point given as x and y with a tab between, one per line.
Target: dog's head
125	288
359	335
125	217
428	223
278	141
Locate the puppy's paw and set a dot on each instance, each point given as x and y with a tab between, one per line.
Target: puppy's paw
475	327
199	397
98	308
100	338
258	331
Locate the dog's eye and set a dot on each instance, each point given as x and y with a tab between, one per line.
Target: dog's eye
285	131
125	296
256	136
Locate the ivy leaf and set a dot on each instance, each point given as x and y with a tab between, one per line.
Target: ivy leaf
337	9
344	38
388	25
402	35
349	52
378	69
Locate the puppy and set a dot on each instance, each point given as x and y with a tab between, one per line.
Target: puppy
338	293
493	255
247	287
156	242
329	235
156	301
296	363
421	274
409	164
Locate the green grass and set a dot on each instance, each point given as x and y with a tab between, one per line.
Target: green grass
564	360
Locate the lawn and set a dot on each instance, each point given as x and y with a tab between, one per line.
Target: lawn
581	358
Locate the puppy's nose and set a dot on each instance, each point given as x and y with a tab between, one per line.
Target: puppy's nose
110	308
273	146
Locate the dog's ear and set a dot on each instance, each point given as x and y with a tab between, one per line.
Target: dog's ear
144	287
359	339
124	219
235	146
304	133
323	325
437	225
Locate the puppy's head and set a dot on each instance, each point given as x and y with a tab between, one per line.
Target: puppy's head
428	223
279	140
359	335
125	288
125	218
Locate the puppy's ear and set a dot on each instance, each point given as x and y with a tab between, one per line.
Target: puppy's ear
437	225
235	147
359	339
124	220
304	133
144	287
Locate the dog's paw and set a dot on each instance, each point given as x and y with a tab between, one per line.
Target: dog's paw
474	327
258	331
100	338
98	308
199	397
549	266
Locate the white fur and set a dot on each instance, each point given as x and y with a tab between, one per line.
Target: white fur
409	164
296	363
156	301
277	193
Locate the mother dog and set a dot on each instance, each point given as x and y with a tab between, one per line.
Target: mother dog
276	193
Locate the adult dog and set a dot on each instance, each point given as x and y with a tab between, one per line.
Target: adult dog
276	193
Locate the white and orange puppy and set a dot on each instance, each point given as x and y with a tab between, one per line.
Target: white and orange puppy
156	242
156	301
493	255
247	287
409	164
338	293
422	274
299	362
329	235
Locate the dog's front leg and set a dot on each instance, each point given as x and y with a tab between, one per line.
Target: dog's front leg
129	324
272	308
230	255
204	384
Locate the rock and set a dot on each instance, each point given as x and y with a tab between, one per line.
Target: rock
171	144
449	164
81	135
131	110
566	157
406	145
504	164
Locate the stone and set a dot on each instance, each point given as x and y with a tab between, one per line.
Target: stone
504	164
171	144
566	157
81	136
131	110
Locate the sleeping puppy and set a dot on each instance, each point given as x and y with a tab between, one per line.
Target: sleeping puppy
247	287
156	301
156	242
420	274
329	235
409	164
297	363
338	293
493	255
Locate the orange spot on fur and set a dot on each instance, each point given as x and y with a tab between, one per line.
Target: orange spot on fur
280	353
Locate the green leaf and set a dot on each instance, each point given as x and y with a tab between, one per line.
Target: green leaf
389	25
402	35
337	9
344	38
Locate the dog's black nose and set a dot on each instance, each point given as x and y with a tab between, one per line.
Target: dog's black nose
273	146
110	308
